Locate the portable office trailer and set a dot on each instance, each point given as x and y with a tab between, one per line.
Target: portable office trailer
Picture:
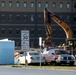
7	52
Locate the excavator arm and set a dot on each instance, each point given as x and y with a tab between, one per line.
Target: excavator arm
49	15
61	23
48	29
48	23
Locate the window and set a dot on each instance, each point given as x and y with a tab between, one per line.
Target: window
35	53
17	45
10	31
74	31
61	17
61	5
32	18
75	18
32	44
39	4
61	52
17	31
32	4
25	18
46	4
54	5
17	4
10	4
68	18
32	31
25	4
2	17
39	31
17	17
3	31
10	17
3	4
39	18
68	5
74	5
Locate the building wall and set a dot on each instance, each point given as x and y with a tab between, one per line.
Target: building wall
14	19
28	8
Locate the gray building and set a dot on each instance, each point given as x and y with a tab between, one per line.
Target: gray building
17	15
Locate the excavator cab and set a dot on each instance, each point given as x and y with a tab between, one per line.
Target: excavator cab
72	45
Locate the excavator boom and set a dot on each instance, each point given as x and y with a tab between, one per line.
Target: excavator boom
61	23
48	28
48	22
47	18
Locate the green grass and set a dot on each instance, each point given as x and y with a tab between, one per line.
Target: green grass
47	67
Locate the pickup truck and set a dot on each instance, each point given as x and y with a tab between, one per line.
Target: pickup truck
58	56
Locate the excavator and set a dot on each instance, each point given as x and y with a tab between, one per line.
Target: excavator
47	18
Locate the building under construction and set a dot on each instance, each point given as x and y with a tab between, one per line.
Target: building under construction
17	15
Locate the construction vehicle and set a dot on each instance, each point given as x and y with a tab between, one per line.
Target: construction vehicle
48	29
47	18
48	52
